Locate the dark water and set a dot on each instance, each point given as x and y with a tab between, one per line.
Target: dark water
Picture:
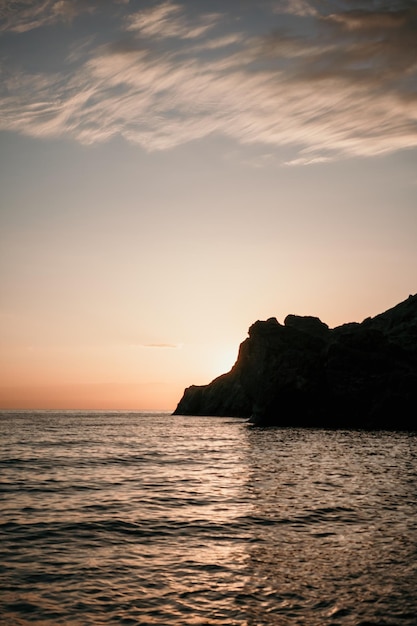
130	519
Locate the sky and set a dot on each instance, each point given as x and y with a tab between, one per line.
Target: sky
171	172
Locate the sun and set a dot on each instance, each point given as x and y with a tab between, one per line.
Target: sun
226	359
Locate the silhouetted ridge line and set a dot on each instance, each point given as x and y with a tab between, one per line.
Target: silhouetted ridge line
301	373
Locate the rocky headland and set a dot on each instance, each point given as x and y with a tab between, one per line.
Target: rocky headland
302	373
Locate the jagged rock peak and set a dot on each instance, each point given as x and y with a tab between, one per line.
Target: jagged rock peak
307	324
264	327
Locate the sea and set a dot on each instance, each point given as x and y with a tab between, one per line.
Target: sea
131	519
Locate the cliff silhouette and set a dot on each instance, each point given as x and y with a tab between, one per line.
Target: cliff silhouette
302	373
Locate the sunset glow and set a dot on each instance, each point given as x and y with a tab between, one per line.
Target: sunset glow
173	171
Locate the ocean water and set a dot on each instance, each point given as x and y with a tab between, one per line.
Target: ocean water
137	519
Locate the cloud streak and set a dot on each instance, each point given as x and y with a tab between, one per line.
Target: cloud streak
162	345
20	16
331	84
167	20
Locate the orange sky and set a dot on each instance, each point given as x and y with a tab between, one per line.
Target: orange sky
171	173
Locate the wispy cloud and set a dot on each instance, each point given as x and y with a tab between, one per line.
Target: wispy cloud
302	8
168	20
23	15
335	83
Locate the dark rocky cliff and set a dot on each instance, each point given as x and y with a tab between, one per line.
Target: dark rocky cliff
303	373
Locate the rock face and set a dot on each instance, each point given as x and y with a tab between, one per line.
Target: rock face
304	374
